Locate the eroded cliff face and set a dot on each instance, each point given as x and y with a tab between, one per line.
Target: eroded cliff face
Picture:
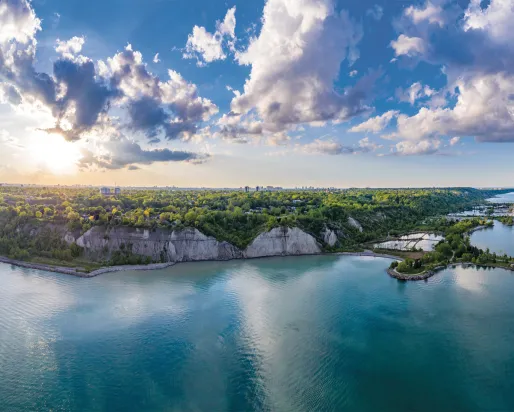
329	237
192	245
355	224
282	241
161	245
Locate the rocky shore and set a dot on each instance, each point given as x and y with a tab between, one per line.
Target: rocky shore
405	276
82	273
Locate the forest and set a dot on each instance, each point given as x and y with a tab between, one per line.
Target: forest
235	216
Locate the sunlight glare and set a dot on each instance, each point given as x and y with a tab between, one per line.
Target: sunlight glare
54	153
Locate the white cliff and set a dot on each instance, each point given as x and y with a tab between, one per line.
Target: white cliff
355	224
329	237
161	245
282	241
192	245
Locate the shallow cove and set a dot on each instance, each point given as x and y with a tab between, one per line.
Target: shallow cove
281	334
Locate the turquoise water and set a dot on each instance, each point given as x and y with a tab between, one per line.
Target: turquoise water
499	239
288	334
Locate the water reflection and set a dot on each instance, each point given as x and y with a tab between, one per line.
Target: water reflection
292	334
499	239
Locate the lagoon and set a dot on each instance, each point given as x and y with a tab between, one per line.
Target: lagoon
499	239
281	334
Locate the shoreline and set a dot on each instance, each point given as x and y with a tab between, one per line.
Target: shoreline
77	273
156	266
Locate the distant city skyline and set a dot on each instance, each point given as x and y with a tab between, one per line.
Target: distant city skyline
205	93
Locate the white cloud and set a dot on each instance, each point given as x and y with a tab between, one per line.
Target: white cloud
495	20
409	46
228	26
207	47
71	47
18	21
415	92
431	13
416	148
353	73
295	61
368	146
475	48
76	98
156	58
454	140
484	109
332	147
375	124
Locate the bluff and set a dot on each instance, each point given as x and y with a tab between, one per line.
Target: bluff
192	245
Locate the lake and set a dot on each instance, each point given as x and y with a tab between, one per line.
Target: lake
283	334
499	239
505	198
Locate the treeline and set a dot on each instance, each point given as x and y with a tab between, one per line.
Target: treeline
20	239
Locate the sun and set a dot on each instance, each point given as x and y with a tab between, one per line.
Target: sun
54	153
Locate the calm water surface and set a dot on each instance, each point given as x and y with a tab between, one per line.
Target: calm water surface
506	198
499	239
285	334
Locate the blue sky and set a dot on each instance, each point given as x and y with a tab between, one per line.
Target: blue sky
282	92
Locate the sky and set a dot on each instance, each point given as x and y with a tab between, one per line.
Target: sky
292	93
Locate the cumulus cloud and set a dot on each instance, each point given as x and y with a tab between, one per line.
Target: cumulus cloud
156	58
415	92
332	147
207	47
376	124
80	93
409	46
477	38
171	107
18	22
292	76
484	109
432	13
71	47
78	96
376	12
121	152
238	129
17	54
417	148
476	48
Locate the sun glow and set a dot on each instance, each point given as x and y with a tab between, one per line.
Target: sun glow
54	153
